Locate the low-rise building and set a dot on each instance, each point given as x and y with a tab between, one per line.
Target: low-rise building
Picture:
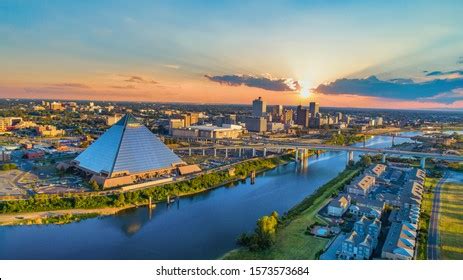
227	131
366	202
275	126
366	211
378	169
362	186
49	131
256	124
339	205
34	154
362	240
400	242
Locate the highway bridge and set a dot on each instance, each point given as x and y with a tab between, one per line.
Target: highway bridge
301	147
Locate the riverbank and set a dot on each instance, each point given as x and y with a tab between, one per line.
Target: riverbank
290	240
56	216
47	207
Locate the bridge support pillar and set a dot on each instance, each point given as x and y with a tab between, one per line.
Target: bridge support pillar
253	152
189	152
239	152
350	157
393	140
204	152
423	163
265	152
226	153
383	159
215	152
297	154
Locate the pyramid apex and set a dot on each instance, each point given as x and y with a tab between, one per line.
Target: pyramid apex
128	119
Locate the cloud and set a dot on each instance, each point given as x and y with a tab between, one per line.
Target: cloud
460	60
401	81
172	66
444	73
374	87
267	83
71	85
140	80
124	87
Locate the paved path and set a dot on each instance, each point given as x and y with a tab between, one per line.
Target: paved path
433	231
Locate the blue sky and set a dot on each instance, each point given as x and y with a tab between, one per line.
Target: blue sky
99	45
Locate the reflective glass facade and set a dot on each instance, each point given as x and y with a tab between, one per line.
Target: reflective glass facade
127	146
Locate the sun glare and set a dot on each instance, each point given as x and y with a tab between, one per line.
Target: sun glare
305	90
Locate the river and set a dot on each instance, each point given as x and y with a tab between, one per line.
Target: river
203	226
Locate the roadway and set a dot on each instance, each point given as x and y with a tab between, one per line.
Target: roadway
295	145
433	231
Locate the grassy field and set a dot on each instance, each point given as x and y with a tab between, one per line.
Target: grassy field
291	242
451	222
425	215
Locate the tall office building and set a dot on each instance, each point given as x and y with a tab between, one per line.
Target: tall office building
259	107
288	116
277	110
302	116
314	108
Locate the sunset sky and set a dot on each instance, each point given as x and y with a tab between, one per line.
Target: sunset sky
382	54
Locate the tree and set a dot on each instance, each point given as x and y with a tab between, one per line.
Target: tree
94	185
366	160
120	200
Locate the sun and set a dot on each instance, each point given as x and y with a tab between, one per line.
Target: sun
305	90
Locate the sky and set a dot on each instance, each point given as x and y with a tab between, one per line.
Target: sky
377	54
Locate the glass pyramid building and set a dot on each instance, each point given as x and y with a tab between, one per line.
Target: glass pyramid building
127	148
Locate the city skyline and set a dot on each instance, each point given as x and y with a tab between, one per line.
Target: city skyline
289	53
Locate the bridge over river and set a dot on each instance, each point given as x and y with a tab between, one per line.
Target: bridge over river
302	148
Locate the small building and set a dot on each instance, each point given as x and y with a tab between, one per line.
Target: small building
256	124
188	169
339	205
365	211
227	131
34	154
362	186
275	127
378	169
363	239
366	202
49	131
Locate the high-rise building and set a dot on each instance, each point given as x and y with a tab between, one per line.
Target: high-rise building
288	116
314	108
259	107
302	116
277	111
